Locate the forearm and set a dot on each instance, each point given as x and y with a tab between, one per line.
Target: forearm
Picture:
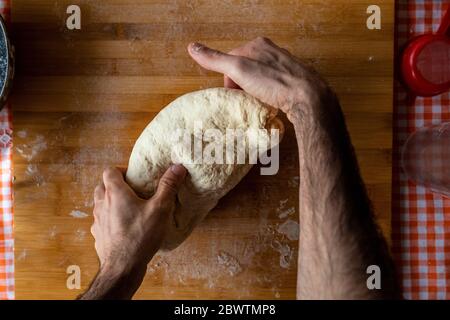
338	237
114	283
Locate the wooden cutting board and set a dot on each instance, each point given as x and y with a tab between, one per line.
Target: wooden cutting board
81	98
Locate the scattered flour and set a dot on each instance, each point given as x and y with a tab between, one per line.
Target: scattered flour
80	234
290	229
285	253
64	261
23	255
229	263
78	214
285	213
89	202
31	170
29	151
52	232
39	179
22	134
294	182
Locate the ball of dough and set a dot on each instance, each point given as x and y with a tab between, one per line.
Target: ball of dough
153	152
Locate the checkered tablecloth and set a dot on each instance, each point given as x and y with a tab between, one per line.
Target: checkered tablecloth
6	214
421	220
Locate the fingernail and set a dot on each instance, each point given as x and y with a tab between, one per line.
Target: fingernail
178	169
196	47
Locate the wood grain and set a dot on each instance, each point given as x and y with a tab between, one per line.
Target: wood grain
81	98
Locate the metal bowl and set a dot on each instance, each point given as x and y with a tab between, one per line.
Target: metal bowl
6	64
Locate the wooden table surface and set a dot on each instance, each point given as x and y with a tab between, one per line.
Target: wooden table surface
81	98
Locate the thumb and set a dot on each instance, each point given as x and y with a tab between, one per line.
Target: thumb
170	182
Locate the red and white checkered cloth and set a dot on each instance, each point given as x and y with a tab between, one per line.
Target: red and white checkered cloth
6	212
421	220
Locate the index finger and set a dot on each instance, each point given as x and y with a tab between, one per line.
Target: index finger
230	65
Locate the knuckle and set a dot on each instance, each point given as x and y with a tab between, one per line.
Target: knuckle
109	175
97	212
109	172
240	64
112	186
263	40
159	205
258	39
98	191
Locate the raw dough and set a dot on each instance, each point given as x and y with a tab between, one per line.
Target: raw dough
218	108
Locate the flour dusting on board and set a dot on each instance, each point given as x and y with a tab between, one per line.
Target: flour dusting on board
29	151
229	263
52	232
285	253
22	134
290	229
219	261
78	214
90	161
99	139
80	234
23	255
284	212
31	170
294	182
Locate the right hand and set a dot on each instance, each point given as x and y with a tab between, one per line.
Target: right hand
267	72
127	229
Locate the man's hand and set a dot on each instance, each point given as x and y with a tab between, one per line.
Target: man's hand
338	237
128	230
267	72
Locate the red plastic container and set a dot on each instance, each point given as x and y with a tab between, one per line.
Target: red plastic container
425	61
